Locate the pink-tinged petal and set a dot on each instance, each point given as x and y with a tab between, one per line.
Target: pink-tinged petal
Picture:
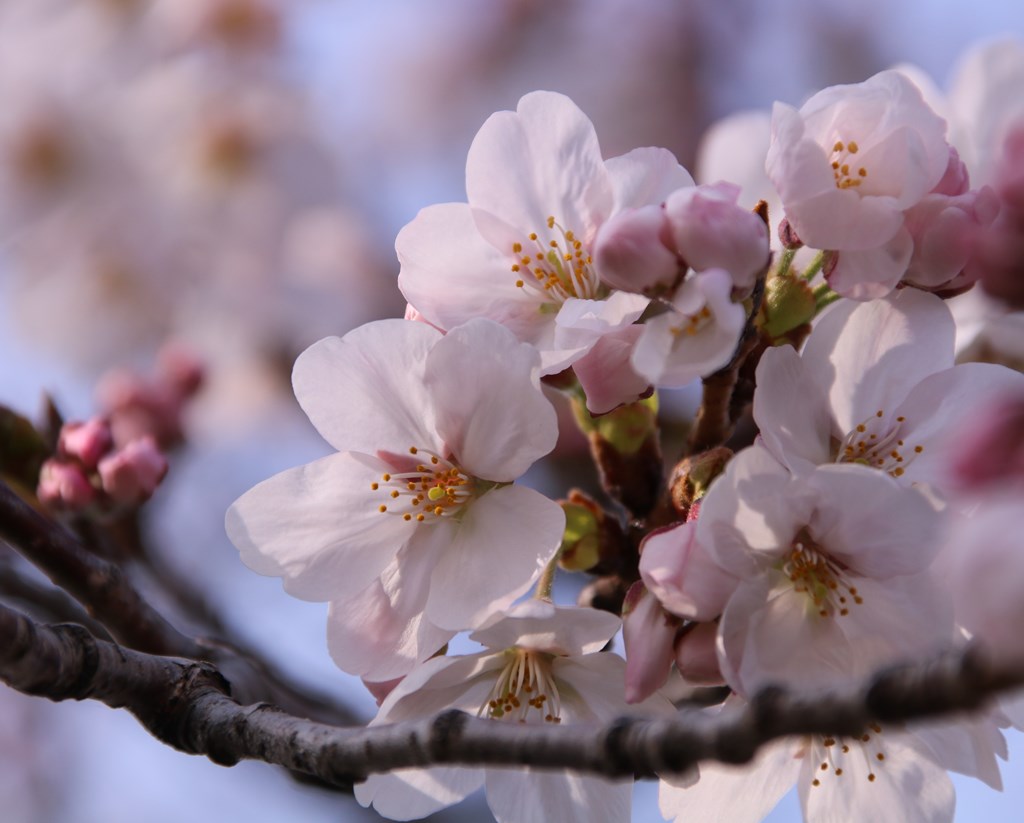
606	374
968	745
318	527
592	690
490	409
648	632
412	794
735	794
681	574
382	633
870	354
596	317
752	512
451	274
908	786
541	160
900	535
364	391
771	633
683	344
533	795
697	656
542	626
869	274
942	406
790	411
504	541
634	251
645	176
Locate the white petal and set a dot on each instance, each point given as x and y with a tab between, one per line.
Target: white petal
318	527
525	796
870	354
543	626
592	690
411	794
451	274
381	633
490	409
364	392
968	745
871	523
869	274
504	540
790	411
645	176
734	794
907	787
541	160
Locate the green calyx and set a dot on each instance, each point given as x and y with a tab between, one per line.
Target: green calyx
788	303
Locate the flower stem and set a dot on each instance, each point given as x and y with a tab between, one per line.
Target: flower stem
785	262
547	578
815	266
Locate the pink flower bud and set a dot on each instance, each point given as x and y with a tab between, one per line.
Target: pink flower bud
1000	250
131	474
65	486
696	656
712	231
633	252
86	442
181	369
956	179
648	632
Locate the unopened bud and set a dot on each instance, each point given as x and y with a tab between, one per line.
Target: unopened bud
64	486
788	304
86	442
633	252
693	475
696	656
581	542
131	474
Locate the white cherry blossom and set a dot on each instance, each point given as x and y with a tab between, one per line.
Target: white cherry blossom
521	250
875	385
543	664
413	530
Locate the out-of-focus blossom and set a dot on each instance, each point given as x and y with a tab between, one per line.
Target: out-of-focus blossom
989	449
543	664
65	486
431	431
131	474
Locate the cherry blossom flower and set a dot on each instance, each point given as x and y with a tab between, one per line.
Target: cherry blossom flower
695	336
848	165
521	250
886	774
431	431
875	385
543	664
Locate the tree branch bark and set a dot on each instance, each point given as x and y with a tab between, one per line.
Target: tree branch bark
187	704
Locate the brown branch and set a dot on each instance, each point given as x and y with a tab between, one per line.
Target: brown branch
109	597
188	705
714	420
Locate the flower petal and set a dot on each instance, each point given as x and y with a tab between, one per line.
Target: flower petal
541	160
543	626
645	176
504	540
364	391
528	794
869	354
606	374
318	527
490	409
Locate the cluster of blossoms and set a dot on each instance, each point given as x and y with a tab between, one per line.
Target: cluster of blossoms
165	177
842	536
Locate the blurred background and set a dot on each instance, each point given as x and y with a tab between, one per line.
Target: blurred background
230	175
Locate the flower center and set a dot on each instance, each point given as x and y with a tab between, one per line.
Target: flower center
872	444
690	324
847	174
524	684
427	491
834	754
557	269
823	580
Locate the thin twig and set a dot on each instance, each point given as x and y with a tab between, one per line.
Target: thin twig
188	706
